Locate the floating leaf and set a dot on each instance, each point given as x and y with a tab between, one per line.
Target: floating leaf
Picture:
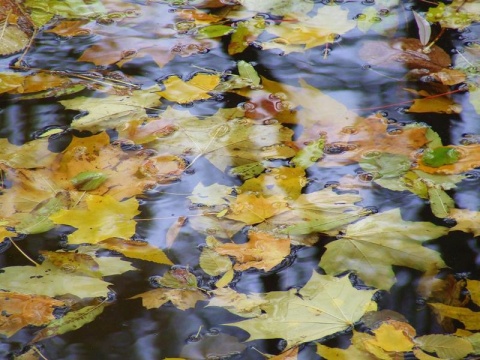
104	218
73	320
262	251
326	305
424	29
445	346
196	88
12	39
20	310
372	252
136	250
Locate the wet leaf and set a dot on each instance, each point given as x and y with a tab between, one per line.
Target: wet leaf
253	209
12	39
73	320
73	262
469	318
351	352
211	345
214	31
247	71
20	310
196	88
278	7
104	218
468	158
43	12
50	280
113	110
434	103
211	195
309	155
68	28
182	299
319	211
245	33
326	305
136	250
213	263
445	346
454	16
237	303
371	253
314	31
285	181
440	202
424	29
262	251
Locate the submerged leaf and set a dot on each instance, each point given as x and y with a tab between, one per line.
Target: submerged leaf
424	29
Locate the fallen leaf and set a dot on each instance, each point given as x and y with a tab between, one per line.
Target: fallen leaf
252	209
111	111
262	251
316	30
196	88
136	250
324	306
20	310
73	320
104	218
468	159
445	346
237	303
182	299
371	252
471	319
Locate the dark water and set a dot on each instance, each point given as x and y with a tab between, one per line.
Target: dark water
126	330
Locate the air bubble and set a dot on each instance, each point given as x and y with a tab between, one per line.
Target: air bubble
371	154
383	113
450	221
368	2
366	177
395	131
194	338
383	12
371	209
213	332
331	184
366	67
360	17
472	176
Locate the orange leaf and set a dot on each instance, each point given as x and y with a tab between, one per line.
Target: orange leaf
19	310
262	251
252	209
469	159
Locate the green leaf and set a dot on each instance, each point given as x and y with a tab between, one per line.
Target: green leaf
440	202
73	320
214	31
440	156
49	280
385	165
88	180
38	220
12	40
310	154
247	71
213	263
374	244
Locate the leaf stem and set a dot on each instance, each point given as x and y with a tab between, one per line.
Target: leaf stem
23	253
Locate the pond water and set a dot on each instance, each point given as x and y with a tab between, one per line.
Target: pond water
316	99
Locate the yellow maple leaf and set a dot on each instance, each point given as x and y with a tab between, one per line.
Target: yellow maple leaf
252	209
104	218
262	251
196	88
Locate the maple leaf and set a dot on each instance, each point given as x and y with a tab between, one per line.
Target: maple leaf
252	209
224	142
196	88
262	251
211	195
282	180
113	110
314	31
445	346
468	158
237	303
125	173
104	218
20	310
324	306
319	211
372	245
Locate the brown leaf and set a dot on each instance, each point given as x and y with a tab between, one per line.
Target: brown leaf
180	298
401	52
252	209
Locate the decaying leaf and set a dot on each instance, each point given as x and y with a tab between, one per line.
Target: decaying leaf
20	310
136	250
